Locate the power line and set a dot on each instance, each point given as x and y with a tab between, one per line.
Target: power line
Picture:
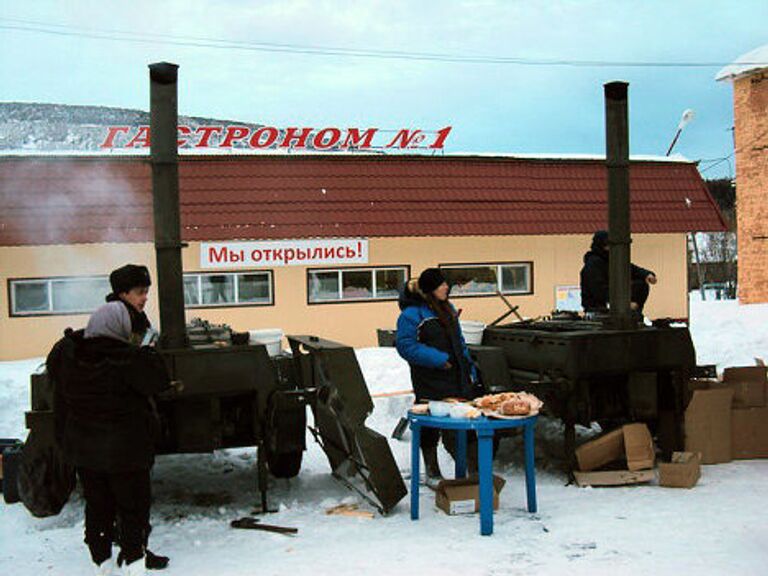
719	161
116	35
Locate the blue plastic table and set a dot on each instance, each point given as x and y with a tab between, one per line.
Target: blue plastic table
485	428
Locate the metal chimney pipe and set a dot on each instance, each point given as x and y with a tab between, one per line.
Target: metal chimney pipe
165	194
617	163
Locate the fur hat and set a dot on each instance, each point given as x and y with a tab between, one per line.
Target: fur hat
600	239
129	276
430	279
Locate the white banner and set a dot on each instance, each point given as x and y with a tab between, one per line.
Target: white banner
268	254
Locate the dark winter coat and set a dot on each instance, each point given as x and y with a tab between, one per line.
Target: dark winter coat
104	419
427	345
594	279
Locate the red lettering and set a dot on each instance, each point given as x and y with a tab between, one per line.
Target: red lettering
272	134
109	141
267	254
442	135
205	135
329	253
318	142
289	255
301	254
220	256
317	253
355	140
351	253
236	256
256	255
406	139
184	131
301	138
234	134
277	253
141	138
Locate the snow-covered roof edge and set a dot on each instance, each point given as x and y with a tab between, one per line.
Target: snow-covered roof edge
745	64
246	152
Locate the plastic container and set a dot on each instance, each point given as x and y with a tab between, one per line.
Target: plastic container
439	408
473	331
270	337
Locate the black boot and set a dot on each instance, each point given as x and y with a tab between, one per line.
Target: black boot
153	561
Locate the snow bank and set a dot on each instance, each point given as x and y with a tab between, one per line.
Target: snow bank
727	333
718	527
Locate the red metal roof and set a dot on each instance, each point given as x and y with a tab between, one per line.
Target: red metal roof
61	200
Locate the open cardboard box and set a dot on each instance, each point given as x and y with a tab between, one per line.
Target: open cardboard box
683	471
462	496
631	442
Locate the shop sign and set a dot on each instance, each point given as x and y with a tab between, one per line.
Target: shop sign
270	137
273	253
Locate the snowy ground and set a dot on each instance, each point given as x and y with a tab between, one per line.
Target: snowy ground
716	528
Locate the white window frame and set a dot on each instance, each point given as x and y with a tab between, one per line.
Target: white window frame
49	282
528	266
236	303
340	296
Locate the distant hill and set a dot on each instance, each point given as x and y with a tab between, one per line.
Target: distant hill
33	126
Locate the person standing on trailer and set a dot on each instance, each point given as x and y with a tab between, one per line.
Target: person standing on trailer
594	279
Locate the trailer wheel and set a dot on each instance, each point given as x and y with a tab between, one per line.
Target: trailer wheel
285	464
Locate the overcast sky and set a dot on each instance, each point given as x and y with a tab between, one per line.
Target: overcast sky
78	53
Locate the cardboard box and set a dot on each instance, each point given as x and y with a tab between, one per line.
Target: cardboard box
683	471
749	433
708	424
631	442
613	477
638	447
462	496
749	385
601	451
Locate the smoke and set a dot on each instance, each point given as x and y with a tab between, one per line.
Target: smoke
82	216
75	200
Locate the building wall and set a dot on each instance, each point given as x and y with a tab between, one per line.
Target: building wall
751	141
556	261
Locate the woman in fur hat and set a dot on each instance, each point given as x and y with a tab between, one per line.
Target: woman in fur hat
429	338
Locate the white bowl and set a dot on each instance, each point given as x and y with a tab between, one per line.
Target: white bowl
459	411
439	408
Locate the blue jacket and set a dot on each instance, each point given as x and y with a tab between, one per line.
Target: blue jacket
426	345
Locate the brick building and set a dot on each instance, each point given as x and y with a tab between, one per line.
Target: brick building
749	76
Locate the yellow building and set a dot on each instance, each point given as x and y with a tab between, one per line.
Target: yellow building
320	244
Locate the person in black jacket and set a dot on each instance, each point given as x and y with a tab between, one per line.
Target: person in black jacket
429	338
594	278
106	425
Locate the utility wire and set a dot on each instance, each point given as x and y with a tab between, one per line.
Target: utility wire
315	50
731	155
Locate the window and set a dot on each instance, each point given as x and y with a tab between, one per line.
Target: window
355	284
208	290
82	295
47	296
484	279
